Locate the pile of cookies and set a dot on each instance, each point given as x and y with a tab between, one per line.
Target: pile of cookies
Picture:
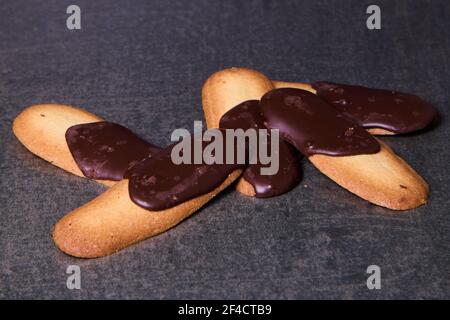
331	125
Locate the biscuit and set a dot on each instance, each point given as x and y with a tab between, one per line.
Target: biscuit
224	90
112	221
227	88
382	178
307	87
42	128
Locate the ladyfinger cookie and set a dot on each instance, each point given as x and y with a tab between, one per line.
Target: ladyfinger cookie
343	150
230	100
80	142
381	112
382	178
113	221
42	129
154	195
308	87
226	89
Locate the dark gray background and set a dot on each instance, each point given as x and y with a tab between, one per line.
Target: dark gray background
142	64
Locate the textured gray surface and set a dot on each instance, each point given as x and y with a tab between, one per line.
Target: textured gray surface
142	64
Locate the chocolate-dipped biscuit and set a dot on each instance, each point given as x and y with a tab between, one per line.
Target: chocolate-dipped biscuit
313	126
394	111
247	115
342	150
42	130
105	150
158	183
155	195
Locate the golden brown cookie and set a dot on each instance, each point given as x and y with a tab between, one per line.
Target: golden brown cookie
307	87
382	178
42	128
112	221
226	89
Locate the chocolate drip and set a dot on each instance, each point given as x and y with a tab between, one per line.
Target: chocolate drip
374	108
248	115
157	183
105	150
313	126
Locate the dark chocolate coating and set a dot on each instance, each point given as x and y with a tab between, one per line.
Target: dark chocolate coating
105	150
375	108
157	183
313	126
248	115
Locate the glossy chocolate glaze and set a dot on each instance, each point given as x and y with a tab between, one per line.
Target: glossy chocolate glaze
313	126
248	115
374	108
105	150
157	183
